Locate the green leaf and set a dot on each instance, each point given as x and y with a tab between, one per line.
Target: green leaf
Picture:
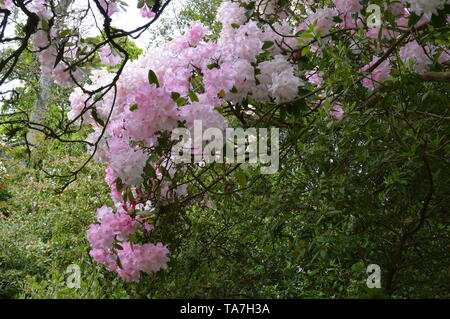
241	178
119	184
133	107
96	118
152	78
306	35
193	96
141	4
337	19
413	19
212	66
119	264
118	246
440	20
267	45
181	101
65	33
145	212
149	171
306	51
175	96
165	172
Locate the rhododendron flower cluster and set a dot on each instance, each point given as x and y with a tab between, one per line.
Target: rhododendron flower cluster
108	57
379	74
425	7
6	4
323	19
337	112
128	260
48	55
444	57
413	52
347	6
109	7
112	226
147	13
396	8
143	110
315	77
231	13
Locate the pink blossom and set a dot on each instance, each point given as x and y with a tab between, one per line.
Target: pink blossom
348	6
202	111
64	77
412	51
402	22
103	256
374	33
112	226
196	32
231	13
127	162
146	258
109	7
444	57
425	7
219	79
6	4
284	87
108	57
315	77
155	111
397	8
337	112
323	19
147	13
37	6
379	74
148	227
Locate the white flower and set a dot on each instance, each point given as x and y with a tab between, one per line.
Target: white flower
426	7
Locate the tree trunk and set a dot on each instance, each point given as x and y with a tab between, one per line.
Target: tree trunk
39	109
40	106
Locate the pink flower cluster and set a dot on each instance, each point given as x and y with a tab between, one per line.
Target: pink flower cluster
147	13
315	77
111	226
337	112
6	4
348	6
418	55
323	19
379	74
425	7
111	248
109	7
47	51
228	71
108	57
